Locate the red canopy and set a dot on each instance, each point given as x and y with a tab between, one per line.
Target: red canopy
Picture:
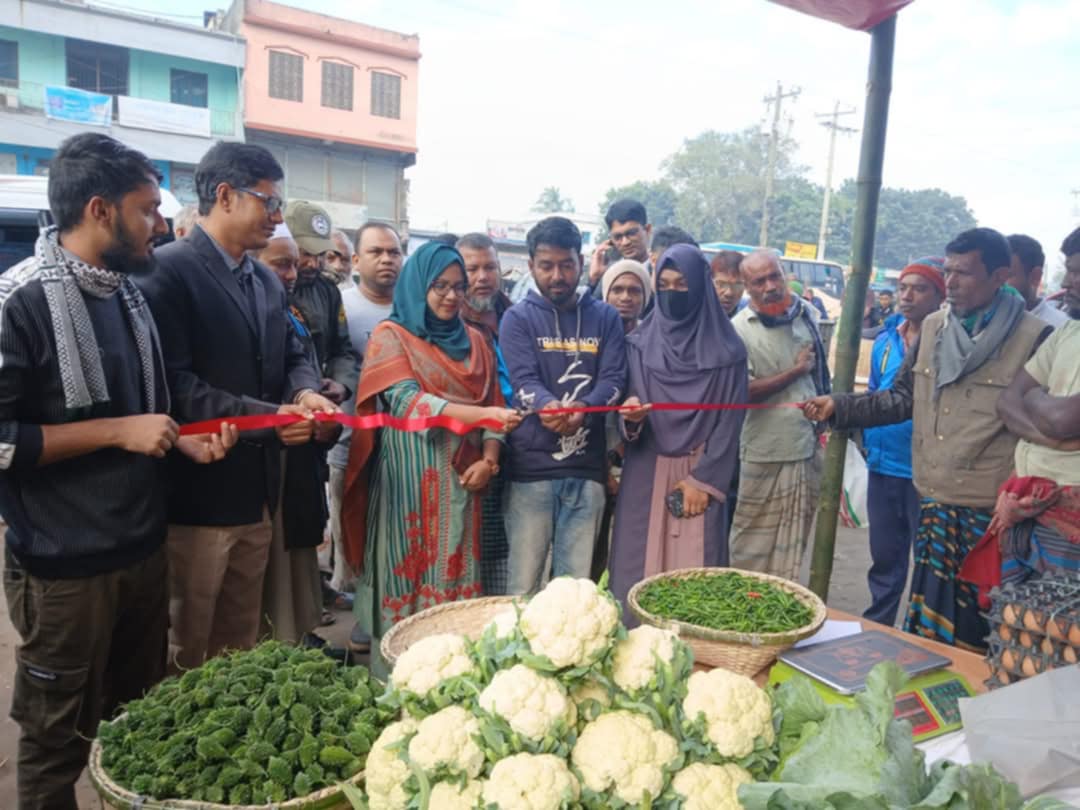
859	14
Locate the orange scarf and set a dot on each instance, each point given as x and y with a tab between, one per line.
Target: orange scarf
393	355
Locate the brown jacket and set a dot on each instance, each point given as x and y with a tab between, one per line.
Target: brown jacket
961	451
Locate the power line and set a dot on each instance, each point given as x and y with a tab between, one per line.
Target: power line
774	135
833	126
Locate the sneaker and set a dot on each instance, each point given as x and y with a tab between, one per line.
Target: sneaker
359	640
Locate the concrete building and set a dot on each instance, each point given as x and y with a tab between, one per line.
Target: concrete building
335	101
66	67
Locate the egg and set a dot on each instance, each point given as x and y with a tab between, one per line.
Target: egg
1010	614
1004	677
1069	654
1034	620
1008	660
1029	666
1026	639
1054	628
1074	634
1005	632
1047	646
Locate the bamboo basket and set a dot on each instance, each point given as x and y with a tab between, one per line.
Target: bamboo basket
467	617
115	797
745	653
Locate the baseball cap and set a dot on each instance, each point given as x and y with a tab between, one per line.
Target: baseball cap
310	226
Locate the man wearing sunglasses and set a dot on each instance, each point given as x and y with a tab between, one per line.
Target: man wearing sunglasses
229	351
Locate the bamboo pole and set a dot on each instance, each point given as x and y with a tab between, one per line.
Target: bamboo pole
849	333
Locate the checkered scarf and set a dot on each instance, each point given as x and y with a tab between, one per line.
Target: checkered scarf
64	278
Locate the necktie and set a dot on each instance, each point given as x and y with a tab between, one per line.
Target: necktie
243	278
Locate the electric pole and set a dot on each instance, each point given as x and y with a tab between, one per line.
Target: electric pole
774	136
833	126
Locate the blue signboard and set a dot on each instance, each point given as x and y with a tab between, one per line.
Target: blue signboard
80	106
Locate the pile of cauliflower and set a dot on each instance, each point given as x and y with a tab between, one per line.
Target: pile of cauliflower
558	706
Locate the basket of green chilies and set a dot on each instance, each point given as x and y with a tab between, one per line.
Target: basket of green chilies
738	620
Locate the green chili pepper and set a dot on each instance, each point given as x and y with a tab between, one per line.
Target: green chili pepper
726	601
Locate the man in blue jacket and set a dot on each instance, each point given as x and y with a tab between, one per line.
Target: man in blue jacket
892	500
562	348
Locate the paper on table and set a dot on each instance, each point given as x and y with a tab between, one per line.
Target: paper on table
1030	731
832	629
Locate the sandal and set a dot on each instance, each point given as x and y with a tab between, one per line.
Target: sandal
328	619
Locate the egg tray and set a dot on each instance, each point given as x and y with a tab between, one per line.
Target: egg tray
1035	626
1039	607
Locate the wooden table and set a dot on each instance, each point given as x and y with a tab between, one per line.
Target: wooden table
971	665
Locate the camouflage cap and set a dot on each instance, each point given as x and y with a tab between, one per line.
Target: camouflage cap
310	226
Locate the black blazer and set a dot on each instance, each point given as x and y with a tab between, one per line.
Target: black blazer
221	362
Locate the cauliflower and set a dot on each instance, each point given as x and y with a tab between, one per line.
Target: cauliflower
385	772
735	711
623	753
634	663
451	796
534	705
503	624
710	787
590	698
571	622
445	740
431	662
531	782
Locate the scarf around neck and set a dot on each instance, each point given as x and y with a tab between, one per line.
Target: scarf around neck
957	353
800	309
64	279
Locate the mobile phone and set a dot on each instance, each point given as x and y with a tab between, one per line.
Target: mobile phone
674	502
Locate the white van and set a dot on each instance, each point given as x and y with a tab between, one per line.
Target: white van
24	211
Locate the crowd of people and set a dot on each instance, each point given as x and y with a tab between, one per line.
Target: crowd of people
133	551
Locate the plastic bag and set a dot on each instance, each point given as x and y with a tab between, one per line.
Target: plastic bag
853	511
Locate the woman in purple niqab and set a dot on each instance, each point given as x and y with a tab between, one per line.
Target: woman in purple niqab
685	350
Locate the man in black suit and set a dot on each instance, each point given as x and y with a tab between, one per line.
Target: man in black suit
229	351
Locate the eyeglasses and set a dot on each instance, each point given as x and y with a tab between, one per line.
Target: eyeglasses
443	288
629	233
273	204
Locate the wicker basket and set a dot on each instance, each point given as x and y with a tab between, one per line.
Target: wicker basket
115	797
468	617
745	653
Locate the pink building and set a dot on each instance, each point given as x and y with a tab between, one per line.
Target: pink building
335	101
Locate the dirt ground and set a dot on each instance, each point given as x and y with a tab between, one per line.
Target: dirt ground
848	592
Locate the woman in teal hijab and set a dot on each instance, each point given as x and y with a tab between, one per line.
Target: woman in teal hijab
412	507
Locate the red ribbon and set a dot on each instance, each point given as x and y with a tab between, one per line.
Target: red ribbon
385	420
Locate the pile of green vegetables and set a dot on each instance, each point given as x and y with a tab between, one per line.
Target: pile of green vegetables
862	758
725	601
266	725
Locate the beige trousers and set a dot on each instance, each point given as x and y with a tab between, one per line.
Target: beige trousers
216	578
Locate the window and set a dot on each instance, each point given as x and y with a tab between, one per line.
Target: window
187	87
337	85
385	95
286	76
9	63
97	68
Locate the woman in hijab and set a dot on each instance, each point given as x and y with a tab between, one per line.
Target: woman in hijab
684	351
411	511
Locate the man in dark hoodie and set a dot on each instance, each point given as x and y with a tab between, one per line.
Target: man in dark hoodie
561	349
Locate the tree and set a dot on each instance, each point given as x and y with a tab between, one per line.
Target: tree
551	201
657	196
911	223
719	178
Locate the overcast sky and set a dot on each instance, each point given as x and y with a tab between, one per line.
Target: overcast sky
516	95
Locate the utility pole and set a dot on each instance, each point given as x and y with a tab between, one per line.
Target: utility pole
833	126
774	136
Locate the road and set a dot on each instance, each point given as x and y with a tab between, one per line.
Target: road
848	592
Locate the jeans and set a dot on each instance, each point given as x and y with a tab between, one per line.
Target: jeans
893	507
563	516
